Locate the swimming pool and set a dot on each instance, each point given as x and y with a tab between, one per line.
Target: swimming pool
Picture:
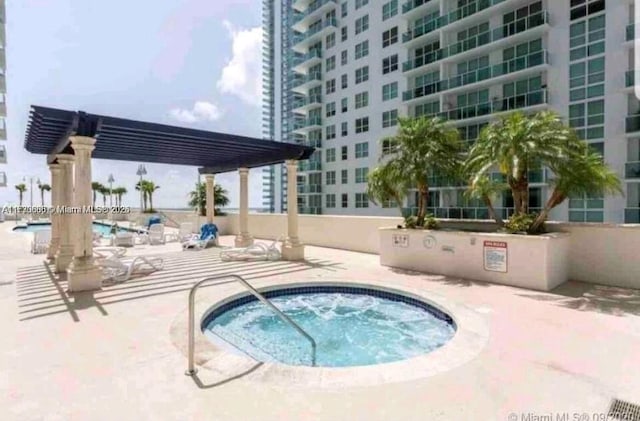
352	326
98	227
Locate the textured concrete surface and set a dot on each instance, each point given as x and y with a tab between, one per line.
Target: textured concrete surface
109	355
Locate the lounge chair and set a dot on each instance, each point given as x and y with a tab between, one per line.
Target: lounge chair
184	234
41	240
117	269
257	251
123	239
208	237
109	252
156	234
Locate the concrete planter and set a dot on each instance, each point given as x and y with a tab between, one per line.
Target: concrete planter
533	262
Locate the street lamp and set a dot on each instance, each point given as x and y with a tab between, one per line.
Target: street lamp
110	180
24	179
141	171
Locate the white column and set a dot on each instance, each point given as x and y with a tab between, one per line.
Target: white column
292	249
56	170
210	197
64	254
83	274
244	239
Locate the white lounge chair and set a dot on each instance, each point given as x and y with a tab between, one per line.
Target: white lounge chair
109	252
208	236
117	269
185	233
156	234
41	240
123	239
257	251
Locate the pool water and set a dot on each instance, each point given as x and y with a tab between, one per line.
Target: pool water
350	329
97	227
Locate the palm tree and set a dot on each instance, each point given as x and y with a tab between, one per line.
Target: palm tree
583	172
95	186
423	147
385	183
485	189
43	188
21	189
517	144
140	186
119	192
149	188
198	198
104	191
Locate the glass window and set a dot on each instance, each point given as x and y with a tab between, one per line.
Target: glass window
389	9
389	91
389	118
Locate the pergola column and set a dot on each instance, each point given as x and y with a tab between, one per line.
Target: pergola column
292	248
210	197
64	253
244	239
56	170
83	274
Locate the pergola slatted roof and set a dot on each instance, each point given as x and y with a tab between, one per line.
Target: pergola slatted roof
49	129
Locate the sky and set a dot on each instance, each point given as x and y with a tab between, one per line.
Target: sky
191	63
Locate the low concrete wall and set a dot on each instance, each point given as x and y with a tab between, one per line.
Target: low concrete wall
533	262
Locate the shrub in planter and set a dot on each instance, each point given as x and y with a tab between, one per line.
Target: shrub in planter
520	223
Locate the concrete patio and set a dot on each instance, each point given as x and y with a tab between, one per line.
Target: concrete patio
109	354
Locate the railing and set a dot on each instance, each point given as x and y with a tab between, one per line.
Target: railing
315	53
309	210
478	75
314	76
496	106
311	9
468	212
309	166
632	216
632	170
631	32
314	30
632	123
412	4
311	100
504	31
165	217
191	369
310	188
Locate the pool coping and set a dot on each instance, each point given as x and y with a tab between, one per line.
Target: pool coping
471	337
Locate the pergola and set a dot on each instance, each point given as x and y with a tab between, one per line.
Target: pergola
70	139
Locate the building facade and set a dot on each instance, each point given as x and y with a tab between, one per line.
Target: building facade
339	73
3	91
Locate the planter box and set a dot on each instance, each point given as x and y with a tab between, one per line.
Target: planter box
533	262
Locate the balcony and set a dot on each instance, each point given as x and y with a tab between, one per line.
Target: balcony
3	154
412	5
3	179
304	125
315	33
308	166
632	170
308	81
631	32
629	79
516	102
501	33
445	182
417	32
307	103
302	20
304	61
507	67
310	188
310	210
632	124
632	216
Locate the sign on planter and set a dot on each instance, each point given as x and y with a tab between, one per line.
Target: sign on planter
495	256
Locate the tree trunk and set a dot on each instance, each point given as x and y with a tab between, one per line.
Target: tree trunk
94	198
423	200
150	201
20	199
492	211
42	197
104	201
555	199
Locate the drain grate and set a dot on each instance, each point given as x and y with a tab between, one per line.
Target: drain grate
624	411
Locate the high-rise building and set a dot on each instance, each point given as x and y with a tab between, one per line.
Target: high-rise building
339	73
3	90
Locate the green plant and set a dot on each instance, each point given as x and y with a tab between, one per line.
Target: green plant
198	198
43	188
21	189
411	222
119	192
519	223
517	144
423	146
431	222
96	187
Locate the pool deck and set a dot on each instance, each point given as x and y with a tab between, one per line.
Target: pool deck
112	354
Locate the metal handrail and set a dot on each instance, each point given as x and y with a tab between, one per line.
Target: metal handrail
191	370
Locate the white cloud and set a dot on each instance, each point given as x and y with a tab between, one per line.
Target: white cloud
242	76
201	111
